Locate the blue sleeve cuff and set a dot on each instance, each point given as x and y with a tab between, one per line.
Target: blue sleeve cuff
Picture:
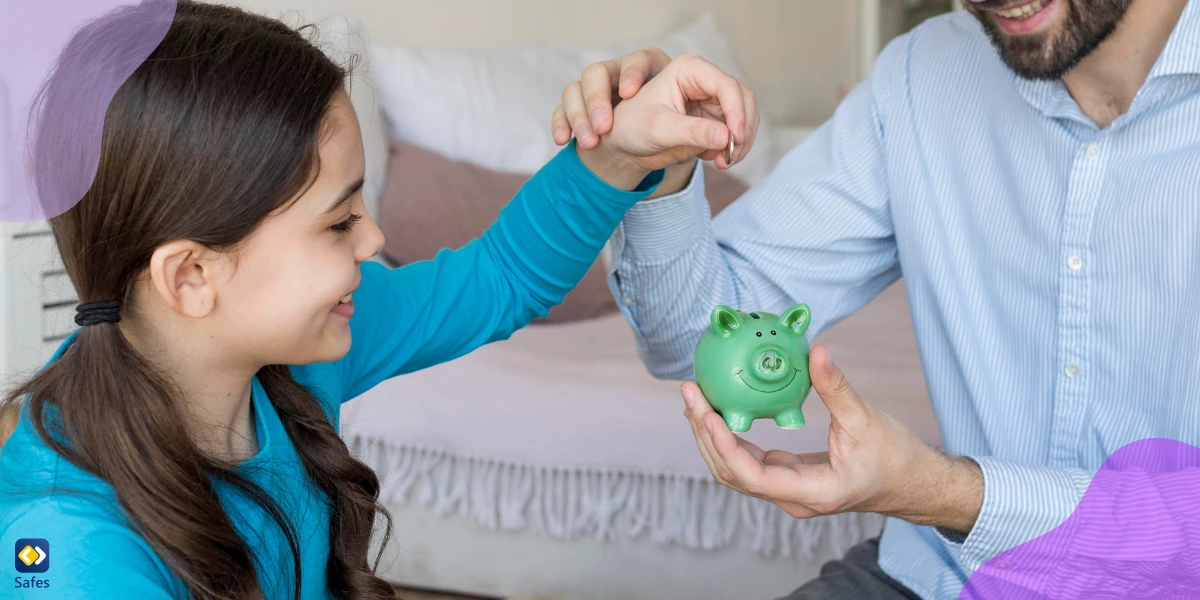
574	167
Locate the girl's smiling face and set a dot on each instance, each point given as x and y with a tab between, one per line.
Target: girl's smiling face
278	298
292	276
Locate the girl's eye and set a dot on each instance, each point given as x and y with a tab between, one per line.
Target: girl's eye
346	225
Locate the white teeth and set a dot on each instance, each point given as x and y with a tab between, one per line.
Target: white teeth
1023	12
345	299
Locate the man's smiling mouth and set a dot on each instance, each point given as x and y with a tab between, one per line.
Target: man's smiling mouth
738	374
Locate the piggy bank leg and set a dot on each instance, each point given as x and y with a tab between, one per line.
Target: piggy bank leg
791	418
737	422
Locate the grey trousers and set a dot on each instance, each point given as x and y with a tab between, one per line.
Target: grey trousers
856	576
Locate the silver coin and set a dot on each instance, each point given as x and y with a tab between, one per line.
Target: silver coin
729	151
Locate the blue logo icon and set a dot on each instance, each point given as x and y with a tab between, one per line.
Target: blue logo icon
32	555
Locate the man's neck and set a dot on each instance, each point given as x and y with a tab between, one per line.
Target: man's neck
1105	83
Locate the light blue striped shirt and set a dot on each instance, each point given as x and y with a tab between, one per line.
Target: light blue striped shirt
1052	267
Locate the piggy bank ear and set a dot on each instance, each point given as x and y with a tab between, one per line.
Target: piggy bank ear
725	320
796	317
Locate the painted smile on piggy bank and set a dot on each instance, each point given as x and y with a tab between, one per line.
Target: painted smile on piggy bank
755	365
789	382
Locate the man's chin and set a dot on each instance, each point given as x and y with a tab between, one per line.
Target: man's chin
1035	67
1031	55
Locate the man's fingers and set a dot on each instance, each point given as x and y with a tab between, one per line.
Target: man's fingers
812	458
698	432
775	483
634	71
751	135
758	453
745	137
781	458
639	67
697	414
844	404
747	473
700	79
774	475
671	129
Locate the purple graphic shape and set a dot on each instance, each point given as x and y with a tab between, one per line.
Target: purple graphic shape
81	51
1134	535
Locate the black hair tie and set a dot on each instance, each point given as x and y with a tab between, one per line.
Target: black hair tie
92	313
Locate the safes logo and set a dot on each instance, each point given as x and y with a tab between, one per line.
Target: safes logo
33	555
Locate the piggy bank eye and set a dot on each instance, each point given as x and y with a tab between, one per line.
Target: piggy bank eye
758	333
772	333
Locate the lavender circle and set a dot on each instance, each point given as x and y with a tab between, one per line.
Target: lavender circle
61	63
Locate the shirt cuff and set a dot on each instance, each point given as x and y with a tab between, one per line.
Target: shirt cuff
1020	503
665	227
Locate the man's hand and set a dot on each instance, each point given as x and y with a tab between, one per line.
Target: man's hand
587	111
874	463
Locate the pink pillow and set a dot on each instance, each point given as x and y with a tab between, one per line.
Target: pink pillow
430	202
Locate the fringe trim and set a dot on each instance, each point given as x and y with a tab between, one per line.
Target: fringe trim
699	514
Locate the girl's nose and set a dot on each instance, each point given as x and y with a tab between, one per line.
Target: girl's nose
372	240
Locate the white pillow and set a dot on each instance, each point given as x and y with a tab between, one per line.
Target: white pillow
492	107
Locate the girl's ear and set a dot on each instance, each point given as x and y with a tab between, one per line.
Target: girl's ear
183	276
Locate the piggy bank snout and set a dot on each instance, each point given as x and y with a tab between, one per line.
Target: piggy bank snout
772	364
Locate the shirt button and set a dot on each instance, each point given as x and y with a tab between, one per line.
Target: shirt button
628	301
1075	262
1072	370
1002	564
1093	151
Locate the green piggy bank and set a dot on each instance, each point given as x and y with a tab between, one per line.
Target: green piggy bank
755	366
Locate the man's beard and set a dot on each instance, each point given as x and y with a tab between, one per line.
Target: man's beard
1051	54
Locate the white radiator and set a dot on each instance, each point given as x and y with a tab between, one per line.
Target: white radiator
38	300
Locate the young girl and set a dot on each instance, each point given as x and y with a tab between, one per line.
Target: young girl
183	441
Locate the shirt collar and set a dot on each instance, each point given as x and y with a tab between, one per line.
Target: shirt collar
1180	56
1051	98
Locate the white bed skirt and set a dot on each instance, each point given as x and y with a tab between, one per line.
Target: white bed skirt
572	504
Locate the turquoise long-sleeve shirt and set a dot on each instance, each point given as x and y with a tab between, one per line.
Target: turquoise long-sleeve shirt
405	319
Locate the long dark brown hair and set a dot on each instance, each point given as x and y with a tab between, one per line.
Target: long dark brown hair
215	130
